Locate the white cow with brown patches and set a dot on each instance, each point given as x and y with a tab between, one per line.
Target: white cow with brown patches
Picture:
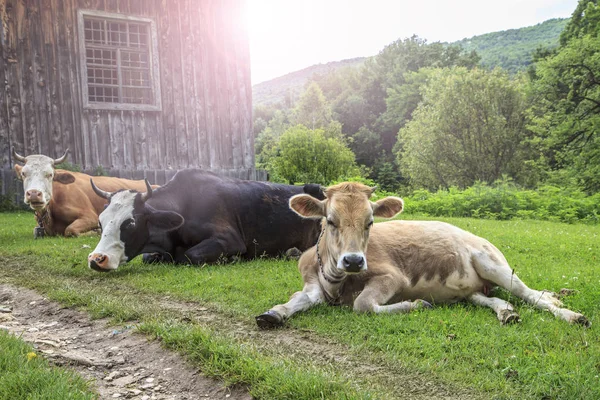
399	266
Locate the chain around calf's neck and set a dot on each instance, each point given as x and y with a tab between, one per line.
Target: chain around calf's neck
320	261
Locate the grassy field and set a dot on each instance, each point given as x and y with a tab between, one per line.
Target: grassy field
25	375
459	349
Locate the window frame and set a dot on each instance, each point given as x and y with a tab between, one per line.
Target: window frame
153	59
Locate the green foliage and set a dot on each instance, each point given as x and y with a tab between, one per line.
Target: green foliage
24	374
312	109
513	49
309	156
468	128
566	114
504	201
68	166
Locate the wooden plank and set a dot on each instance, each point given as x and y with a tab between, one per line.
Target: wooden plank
208	54
230	26
51	67
242	57
178	88
82	152
5	139
198	81
187	101
168	115
129	151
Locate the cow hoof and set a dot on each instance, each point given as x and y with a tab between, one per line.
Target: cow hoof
293	253
565	292
583	321
509	317
38	232
152	258
422	304
269	320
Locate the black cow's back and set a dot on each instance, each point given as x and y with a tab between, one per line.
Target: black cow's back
257	212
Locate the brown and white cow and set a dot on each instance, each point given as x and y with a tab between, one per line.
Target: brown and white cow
399	266
64	201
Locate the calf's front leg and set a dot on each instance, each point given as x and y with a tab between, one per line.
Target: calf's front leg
310	296
378	291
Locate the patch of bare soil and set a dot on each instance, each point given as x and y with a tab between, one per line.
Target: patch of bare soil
120	364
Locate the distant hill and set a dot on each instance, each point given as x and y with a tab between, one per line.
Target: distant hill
292	84
510	49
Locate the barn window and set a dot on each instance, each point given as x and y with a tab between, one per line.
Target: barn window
119	60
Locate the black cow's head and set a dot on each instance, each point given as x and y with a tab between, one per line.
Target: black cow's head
126	224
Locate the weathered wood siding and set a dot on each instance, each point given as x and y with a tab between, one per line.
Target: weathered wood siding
204	64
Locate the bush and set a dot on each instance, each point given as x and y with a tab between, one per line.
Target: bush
504	201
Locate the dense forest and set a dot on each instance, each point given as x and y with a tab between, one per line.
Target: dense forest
434	116
511	50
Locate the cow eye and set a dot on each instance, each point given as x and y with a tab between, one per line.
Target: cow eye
130	223
331	223
369	225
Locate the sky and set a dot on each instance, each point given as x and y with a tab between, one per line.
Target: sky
288	35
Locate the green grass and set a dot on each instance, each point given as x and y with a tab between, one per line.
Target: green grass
461	346
24	375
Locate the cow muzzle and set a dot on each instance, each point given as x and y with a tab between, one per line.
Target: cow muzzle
353	263
99	262
35	199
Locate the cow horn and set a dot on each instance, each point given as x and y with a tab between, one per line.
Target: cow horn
63	158
145	196
17	156
99	192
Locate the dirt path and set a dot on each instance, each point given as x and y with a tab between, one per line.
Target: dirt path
121	364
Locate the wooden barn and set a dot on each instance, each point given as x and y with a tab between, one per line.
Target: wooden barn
141	88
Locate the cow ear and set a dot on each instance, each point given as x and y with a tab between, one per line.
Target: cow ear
307	206
314	190
18	169
388	207
166	220
64	177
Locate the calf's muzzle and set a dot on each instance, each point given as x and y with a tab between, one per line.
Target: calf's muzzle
353	262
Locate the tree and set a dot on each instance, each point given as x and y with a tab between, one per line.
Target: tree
308	156
566	89
312	109
468	128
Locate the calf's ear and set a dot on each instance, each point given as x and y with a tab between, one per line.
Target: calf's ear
388	207
64	177
307	206
166	220
18	169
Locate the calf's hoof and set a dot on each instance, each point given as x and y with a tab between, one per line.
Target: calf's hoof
422	304
269	320
583	321
509	317
566	292
38	232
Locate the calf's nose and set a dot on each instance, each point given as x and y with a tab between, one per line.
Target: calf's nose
353	262
98	261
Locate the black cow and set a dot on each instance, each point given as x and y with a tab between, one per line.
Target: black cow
199	217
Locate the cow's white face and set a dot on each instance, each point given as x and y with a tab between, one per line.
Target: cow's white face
117	217
37	175
125	227
349	214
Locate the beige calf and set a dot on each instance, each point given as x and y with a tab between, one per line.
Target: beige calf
399	266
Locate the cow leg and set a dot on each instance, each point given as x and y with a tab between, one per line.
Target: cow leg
378	291
82	226
310	296
210	250
504	310
498	271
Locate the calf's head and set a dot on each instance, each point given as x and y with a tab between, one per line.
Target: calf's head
126	222
37	175
349	214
